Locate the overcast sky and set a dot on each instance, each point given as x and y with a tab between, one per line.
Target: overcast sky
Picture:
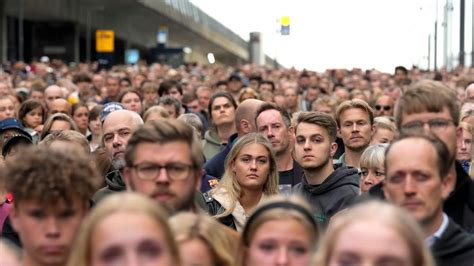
340	33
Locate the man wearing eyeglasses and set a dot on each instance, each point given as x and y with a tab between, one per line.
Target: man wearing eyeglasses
164	162
431	106
384	106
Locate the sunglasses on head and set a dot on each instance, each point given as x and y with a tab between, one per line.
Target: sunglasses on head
385	107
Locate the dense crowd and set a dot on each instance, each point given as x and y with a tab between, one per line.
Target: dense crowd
217	165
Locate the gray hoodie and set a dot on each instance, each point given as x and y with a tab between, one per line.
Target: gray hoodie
334	194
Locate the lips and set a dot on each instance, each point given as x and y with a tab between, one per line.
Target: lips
53	249
412	204
252	175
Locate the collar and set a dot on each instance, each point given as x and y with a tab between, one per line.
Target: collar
430	240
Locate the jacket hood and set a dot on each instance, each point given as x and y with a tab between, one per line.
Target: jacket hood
114	181
212	137
342	175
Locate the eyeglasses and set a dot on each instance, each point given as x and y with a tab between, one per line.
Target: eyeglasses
385	107
435	124
175	171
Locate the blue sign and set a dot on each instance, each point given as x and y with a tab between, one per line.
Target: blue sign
132	56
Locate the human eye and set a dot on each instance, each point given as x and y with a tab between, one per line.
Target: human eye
396	179
67	214
364	172
245	159
263	160
378	173
438	123
347	124
361	123
176	168
149	248
108	137
267	247
262	129
413	125
298	249
317	140
300	140
421	177
37	214
111	255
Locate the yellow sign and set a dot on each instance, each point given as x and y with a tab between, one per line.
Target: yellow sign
104	41
285	20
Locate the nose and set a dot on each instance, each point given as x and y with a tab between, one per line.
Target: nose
282	258
253	164
463	145
306	145
52	227
162	176
409	186
117	141
426	127
132	259
269	132
354	127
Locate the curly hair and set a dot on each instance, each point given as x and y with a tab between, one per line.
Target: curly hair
49	175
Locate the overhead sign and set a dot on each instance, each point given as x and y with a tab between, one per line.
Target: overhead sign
162	35
104	41
285	25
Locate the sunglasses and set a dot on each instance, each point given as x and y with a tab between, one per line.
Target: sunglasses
385	107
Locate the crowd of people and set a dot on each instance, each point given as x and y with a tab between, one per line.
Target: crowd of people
216	165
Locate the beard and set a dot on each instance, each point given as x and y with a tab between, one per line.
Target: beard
176	203
118	163
318	166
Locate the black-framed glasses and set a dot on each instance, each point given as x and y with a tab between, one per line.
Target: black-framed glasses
385	107
435	124
174	171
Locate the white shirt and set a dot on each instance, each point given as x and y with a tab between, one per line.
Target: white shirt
437	235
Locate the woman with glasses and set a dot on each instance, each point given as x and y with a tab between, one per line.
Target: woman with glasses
250	176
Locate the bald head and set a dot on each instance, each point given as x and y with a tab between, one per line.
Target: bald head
51	93
469	93
245	116
60	106
117	129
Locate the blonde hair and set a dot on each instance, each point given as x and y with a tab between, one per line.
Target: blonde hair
220	239
230	184
156	110
391	216
277	208
123	202
373	156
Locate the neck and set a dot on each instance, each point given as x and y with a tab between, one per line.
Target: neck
224	131
250	198
353	157
431	227
284	161
319	175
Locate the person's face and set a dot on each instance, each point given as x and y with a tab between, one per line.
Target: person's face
7	108
37	95
447	134
171	110
313	146
291	98
51	94
47	232
81	117
195	252
265	87
393	91
116	133
60	125
234	86
371	176
204	97
370	243
174	92
382	135
154	117
34	118
312	94
175	195
464	146
4	90
112	86
132	102
400	76
98	81
194	106
469	93
271	125
384	106
252	166
324	109
280	242
413	182
223	112
115	242
94	126
280	100
150	96
355	129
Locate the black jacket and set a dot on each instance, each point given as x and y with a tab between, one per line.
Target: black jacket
455	247
215	208
113	183
334	194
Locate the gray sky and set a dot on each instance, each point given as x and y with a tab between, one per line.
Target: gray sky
342	33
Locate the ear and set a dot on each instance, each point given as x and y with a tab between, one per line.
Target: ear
291	131
372	129
333	149
339	132
127	175
244	125
459	132
447	185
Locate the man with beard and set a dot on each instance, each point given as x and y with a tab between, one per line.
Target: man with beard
117	128
274	123
355	122
327	188
164	162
